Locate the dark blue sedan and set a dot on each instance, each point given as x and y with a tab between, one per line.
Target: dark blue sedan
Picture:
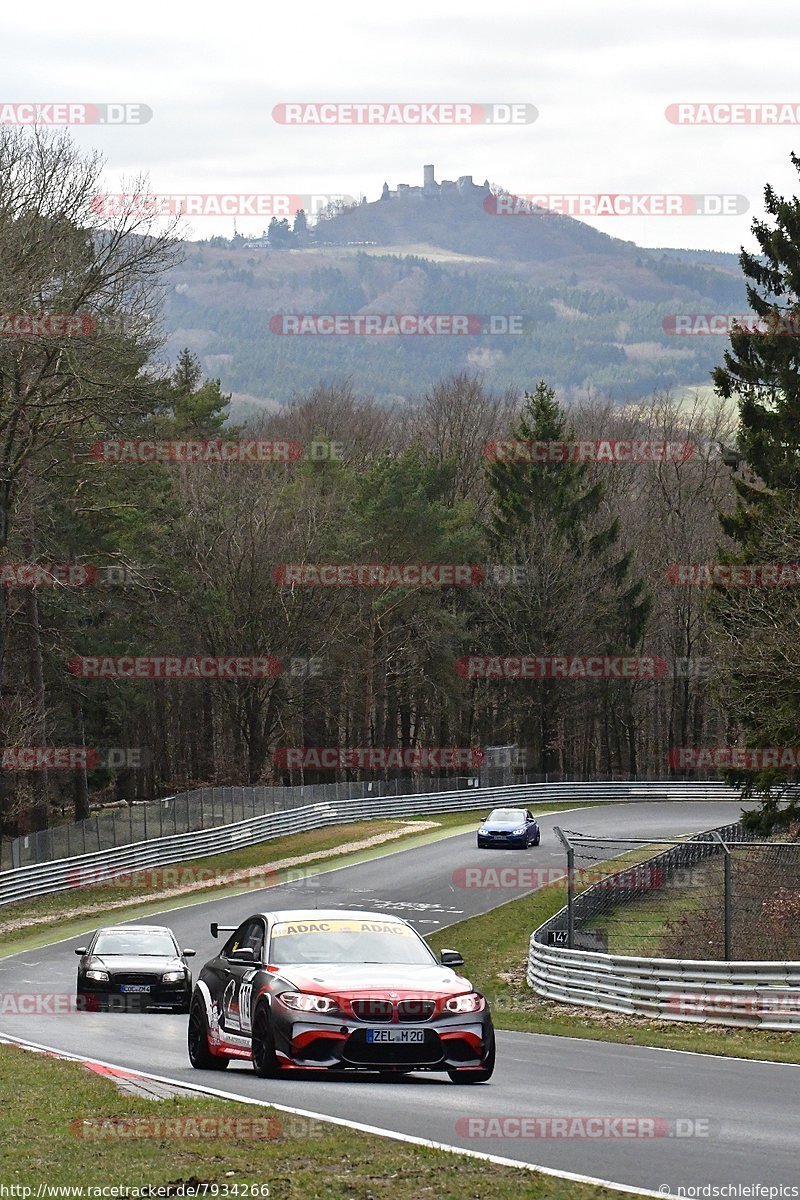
514	827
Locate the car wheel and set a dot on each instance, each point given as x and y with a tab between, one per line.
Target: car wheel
265	1060
538	838
460	1075
200	1055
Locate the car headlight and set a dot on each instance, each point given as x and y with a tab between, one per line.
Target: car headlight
483	830
468	1003
173	976
306	1002
518	831
97	974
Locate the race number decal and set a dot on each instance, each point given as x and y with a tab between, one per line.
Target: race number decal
246	1002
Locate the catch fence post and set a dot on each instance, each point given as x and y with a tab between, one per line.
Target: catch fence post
570	885
728	906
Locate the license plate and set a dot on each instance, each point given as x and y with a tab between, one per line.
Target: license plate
134	988
404	1036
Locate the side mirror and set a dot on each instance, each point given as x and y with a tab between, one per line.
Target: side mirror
188	953
82	950
451	958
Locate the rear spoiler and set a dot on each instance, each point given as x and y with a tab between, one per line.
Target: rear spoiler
217	929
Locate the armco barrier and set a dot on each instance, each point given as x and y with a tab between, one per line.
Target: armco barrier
762	995
41	879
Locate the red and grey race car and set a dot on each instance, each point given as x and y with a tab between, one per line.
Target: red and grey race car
331	990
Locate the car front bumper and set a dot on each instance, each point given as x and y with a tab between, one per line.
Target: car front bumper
94	996
337	1043
503	841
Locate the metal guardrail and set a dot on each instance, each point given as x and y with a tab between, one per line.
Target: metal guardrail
201	808
41	879
210	807
762	995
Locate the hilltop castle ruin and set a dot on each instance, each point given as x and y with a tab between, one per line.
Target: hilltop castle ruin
448	188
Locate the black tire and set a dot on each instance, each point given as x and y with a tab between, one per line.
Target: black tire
462	1076
265	1060
200	1055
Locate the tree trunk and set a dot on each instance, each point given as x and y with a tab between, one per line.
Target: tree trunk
80	787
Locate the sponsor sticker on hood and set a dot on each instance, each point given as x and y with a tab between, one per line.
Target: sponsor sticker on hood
341	925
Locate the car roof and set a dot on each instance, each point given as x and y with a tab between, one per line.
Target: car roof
136	929
314	914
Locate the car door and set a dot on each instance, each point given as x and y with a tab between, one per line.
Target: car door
243	955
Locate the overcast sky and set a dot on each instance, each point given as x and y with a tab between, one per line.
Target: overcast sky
599	74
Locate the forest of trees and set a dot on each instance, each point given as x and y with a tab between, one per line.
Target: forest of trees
188	558
602	332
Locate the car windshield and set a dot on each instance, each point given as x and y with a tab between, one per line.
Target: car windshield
147	944
335	940
508	814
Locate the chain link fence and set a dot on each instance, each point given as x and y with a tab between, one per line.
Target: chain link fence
721	895
203	808
206	808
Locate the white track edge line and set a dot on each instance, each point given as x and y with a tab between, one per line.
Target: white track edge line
375	1130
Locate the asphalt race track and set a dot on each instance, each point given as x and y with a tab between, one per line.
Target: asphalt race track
750	1107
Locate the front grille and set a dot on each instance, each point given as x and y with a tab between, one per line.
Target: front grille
373	1010
415	1010
131	977
366	1054
383	1011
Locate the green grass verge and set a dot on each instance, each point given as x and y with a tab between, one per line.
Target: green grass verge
495	950
35	923
644	927
41	1142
